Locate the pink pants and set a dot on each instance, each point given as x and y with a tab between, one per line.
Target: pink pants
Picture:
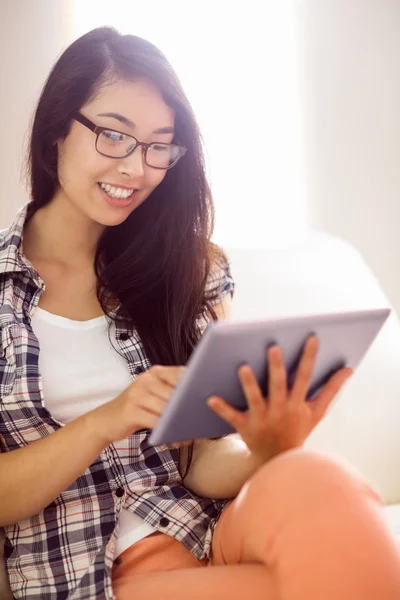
306	526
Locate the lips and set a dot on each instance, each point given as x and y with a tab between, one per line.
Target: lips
119	202
117	191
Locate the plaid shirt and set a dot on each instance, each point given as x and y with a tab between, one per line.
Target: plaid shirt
66	551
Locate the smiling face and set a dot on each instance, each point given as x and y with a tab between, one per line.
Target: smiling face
81	169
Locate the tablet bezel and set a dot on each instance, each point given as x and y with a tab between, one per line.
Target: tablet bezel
344	339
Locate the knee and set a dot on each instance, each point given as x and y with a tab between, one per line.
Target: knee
304	475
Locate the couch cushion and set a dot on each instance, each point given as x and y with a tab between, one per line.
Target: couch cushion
322	273
393	516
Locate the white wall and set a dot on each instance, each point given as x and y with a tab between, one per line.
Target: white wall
32	36
237	64
349	68
239	74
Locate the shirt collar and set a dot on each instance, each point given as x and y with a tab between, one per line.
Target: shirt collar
11	258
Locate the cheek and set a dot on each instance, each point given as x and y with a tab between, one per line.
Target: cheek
157	178
78	168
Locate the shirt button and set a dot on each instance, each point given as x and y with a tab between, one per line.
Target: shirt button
124	336
119	492
164	522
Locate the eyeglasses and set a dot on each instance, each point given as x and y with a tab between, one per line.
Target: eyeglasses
116	144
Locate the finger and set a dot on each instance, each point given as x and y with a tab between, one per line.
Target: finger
251	390
154	396
185	444
177	445
169	375
322	401
304	371
146	418
277	388
160	389
232	416
152	404
156	386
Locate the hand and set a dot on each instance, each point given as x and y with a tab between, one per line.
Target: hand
139	406
180	444
284	419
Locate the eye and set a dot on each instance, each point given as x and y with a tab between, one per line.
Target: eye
112	136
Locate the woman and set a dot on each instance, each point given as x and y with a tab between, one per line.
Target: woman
108	275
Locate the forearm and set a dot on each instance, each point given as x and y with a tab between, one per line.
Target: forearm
33	476
220	467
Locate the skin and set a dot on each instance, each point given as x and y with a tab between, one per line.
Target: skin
61	238
60	241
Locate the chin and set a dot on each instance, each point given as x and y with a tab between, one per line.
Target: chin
110	218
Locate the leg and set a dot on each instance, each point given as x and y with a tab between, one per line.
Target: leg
215	583
160	566
317	526
304	527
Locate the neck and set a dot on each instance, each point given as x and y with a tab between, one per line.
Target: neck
60	233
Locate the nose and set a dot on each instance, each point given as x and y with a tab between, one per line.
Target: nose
134	164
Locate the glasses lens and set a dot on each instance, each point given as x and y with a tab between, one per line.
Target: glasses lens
118	145
115	144
162	156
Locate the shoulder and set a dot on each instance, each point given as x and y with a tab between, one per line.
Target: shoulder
220	281
220	284
3	236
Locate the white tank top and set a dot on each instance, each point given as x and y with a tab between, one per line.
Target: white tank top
81	370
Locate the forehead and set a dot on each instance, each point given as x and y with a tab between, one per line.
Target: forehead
139	101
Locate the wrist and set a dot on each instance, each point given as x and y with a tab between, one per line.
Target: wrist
261	458
255	461
94	424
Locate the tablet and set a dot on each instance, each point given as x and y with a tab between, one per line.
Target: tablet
344	339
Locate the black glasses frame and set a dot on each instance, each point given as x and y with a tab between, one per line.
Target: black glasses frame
98	130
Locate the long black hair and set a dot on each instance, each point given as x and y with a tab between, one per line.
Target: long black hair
156	263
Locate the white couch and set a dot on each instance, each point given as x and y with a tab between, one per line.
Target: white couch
321	273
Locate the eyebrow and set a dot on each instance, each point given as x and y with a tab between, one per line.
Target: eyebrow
130	123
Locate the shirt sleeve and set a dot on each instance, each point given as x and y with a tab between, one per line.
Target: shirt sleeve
220	281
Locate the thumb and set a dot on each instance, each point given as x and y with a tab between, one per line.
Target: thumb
322	401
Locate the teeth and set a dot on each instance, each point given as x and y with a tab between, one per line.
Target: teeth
115	192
